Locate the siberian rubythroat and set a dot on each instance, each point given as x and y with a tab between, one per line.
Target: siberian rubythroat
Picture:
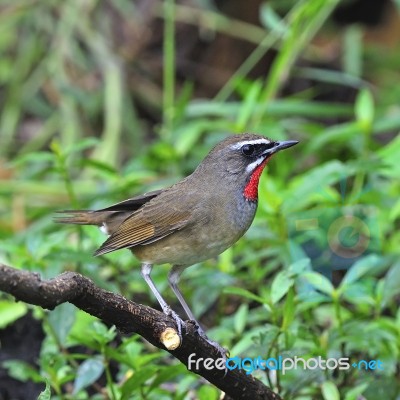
192	220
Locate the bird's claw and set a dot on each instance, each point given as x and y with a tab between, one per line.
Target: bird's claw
221	350
178	321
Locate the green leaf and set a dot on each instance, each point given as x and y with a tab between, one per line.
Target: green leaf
359	269
102	334
395	211
244	293
340	133
184	97
300	266
281	285
288	310
355	393
390	154
364	109
330	391
136	380
275	108
240	318
10	311
21	371
319	282
249	103
46	394
271	20
391	286
168	374
82	145
88	372
98	166
36	157
61	320
246	341
187	135
352	54
314	181
208	392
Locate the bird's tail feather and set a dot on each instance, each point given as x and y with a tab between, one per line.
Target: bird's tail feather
80	217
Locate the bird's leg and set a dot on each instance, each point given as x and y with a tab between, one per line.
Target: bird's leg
173	280
146	270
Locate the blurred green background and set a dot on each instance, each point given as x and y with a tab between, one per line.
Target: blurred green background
101	100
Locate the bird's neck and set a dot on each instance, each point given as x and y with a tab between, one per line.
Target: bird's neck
251	189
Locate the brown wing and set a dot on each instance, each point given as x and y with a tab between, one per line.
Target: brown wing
152	222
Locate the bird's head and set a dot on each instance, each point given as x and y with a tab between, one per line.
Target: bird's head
241	159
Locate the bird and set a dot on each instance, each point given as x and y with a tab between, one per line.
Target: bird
191	221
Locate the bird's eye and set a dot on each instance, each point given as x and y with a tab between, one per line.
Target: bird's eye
248	150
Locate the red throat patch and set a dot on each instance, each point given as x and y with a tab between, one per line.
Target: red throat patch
251	189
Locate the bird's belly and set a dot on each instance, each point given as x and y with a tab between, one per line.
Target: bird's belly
182	248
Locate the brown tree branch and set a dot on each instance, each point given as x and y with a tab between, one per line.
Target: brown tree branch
130	317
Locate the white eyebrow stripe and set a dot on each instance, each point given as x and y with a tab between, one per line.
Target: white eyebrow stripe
238	145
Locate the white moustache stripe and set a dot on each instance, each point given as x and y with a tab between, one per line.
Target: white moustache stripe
251	167
255	141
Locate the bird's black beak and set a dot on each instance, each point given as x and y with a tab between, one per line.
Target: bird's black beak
285	144
278	146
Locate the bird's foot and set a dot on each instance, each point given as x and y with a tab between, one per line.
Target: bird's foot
221	350
178	320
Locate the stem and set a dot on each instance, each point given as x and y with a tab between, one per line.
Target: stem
269	353
169	68
305	20
336	304
63	170
257	54
108	373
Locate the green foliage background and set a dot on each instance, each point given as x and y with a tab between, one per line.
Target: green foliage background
73	135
